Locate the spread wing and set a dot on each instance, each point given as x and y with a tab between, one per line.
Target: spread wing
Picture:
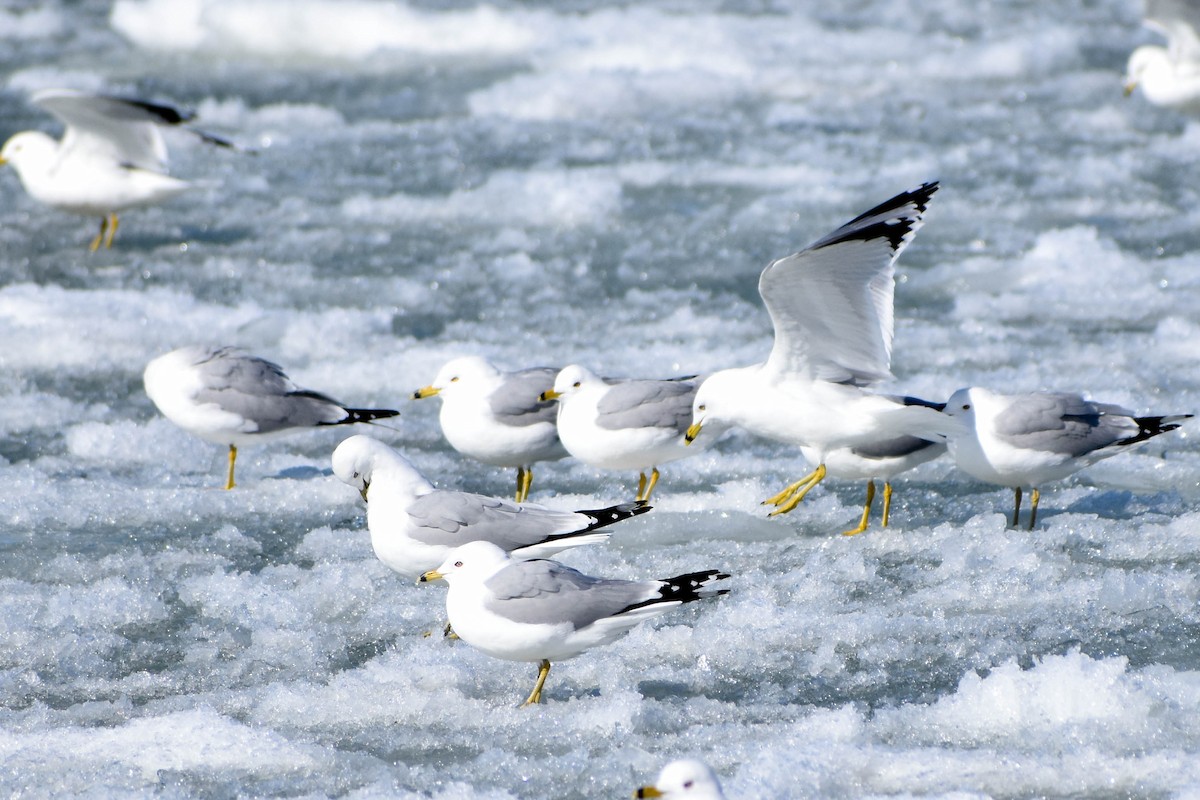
125	131
831	304
1179	21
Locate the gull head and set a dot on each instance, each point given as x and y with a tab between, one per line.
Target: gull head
361	459
28	151
1147	62
961	405
468	373
686	778
478	560
571	380
714	407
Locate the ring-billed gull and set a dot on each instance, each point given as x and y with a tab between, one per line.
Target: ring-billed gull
111	156
229	397
1169	76
498	417
685	778
414	526
542	611
623	424
881	460
1020	440
831	306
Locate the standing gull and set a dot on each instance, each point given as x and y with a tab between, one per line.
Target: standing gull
541	611
229	397
414	526
831	306
111	156
881	460
685	779
1169	76
1020	440
623	424
498	417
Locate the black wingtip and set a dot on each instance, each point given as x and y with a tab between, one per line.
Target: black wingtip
1149	427
602	517
366	415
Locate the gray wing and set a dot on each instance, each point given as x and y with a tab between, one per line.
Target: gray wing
647	404
455	518
258	390
831	304
516	401
1061	423
123	130
546	592
895	448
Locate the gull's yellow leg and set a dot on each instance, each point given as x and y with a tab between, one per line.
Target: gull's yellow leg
645	496
887	502
232	458
535	696
789	490
527	485
95	245
1016	506
866	515
112	231
1034	496
641	487
520	496
793	501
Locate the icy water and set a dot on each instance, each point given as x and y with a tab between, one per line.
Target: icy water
544	184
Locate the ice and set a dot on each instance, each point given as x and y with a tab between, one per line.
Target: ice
545	184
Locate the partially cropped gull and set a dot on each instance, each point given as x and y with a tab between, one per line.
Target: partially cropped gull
831	305
623	423
684	779
542	611
414	525
1169	76
111	156
498	417
1017	440
229	397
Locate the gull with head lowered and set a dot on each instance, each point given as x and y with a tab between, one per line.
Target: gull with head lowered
223	395
414	526
831	307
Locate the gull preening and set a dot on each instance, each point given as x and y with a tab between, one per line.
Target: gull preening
831	305
1169	76
111	156
623	424
414	525
498	417
229	397
1017	440
542	611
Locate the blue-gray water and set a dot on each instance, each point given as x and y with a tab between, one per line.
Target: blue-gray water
601	184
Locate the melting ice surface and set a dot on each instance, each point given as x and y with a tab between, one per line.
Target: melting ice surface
543	183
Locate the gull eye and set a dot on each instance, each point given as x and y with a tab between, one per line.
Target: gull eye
454	379
688	784
458	563
966	407
704	407
576	384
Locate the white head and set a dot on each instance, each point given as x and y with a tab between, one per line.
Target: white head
573	378
361	459
1145	62
961	405
473	561
686	778
714	406
469	373
28	151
